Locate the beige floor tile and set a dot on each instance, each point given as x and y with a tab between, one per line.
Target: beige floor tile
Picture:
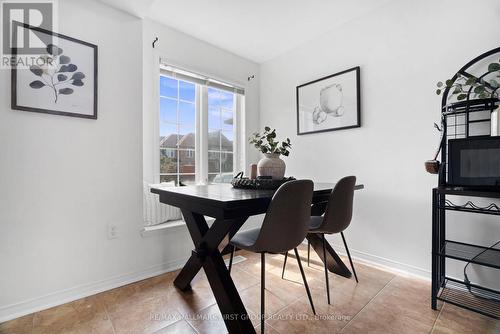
142	313
251	300
454	319
208	320
179	327
243	280
298	318
22	325
267	329
403	306
384	322
87	315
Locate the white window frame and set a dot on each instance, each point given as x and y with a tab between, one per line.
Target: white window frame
201	129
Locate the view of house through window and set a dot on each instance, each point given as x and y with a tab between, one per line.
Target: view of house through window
179	106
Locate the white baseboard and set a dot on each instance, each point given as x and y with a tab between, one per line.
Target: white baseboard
384	263
13	311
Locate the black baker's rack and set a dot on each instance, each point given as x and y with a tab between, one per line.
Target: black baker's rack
463	119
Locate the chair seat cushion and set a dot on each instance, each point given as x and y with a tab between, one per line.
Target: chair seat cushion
246	239
315	224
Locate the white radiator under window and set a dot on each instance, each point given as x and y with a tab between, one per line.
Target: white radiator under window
155	212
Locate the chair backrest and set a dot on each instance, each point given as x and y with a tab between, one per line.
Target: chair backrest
286	222
338	212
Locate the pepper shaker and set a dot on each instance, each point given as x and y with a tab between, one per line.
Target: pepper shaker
253	171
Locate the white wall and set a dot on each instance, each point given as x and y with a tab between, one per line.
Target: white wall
64	179
403	49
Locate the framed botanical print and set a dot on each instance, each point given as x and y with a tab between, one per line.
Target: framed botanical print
330	103
62	81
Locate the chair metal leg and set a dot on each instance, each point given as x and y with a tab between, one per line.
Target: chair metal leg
305	281
233	248
284	265
262	290
326	269
308	251
349	256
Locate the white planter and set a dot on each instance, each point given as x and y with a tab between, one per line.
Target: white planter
271	165
495	122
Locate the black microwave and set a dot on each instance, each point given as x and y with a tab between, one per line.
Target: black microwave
474	162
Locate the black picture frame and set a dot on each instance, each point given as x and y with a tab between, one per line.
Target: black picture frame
358	101
14	74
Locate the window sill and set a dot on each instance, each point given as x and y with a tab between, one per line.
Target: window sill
167	227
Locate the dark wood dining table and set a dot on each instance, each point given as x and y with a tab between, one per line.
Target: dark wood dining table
231	207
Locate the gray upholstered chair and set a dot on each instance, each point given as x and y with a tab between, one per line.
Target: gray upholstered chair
285	226
336	219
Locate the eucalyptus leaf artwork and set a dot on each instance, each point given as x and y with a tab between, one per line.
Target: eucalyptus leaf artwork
59	80
466	84
57	74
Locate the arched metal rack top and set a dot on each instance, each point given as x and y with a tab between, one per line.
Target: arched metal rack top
464	108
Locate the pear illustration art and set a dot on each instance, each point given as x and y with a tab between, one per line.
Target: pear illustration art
330	103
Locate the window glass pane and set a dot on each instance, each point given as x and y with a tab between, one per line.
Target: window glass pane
168	86
214	140
168	178
186	161
168	135
186	136
226	141
220	98
168	161
177	129
213	162
214	119
226	99
227	121
186	91
186	113
213	96
168	110
227	162
187	180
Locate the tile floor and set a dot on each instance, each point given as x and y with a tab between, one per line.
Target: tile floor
381	303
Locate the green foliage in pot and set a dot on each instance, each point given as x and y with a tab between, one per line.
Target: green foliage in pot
480	88
266	142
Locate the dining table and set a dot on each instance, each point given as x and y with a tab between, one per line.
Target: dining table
231	207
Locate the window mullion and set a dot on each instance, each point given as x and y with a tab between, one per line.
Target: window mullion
202	149
178	135
238	135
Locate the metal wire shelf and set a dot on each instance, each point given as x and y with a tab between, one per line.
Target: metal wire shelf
461	251
478	299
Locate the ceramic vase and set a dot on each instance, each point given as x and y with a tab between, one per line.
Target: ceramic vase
495	122
271	165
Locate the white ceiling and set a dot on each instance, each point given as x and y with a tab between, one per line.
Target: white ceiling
258	30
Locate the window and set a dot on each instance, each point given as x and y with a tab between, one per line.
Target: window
177	130
197	128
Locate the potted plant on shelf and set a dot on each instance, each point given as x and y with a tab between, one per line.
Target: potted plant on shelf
464	85
271	165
